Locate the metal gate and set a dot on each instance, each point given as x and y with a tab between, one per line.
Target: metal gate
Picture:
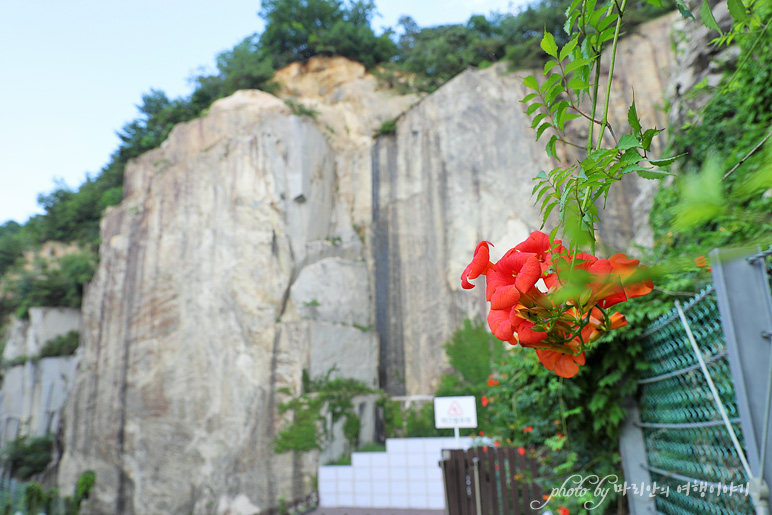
489	481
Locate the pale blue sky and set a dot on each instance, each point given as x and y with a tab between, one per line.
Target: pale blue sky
73	72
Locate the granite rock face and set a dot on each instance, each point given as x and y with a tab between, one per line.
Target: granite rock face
27	337
231	266
33	392
256	244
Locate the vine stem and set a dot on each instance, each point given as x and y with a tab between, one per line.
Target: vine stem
749	154
610	74
594	103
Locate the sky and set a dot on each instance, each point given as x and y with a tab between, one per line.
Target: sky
72	73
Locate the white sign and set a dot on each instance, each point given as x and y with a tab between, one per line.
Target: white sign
455	412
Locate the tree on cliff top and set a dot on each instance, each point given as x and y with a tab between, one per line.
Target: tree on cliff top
296	30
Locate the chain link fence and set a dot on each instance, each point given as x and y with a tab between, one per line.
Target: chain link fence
692	458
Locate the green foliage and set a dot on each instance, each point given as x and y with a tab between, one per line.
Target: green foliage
299	109
84	486
48	283
297	30
433	55
63	345
471	351
387	128
575	423
351	427
720	196
10	245
247	66
436	54
307	429
303	434
15	362
34	497
372	447
26	456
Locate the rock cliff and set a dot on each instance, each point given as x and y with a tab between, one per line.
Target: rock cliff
34	390
256	243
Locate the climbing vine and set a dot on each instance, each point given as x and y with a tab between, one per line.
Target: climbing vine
309	428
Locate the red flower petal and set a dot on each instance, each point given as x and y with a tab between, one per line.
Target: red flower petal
536	243
564	365
498	321
525	334
479	265
640	288
505	297
515	268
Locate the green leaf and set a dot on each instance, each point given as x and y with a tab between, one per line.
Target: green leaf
568	48
529	97
573	65
608	20
537	120
706	14
595	18
628	141
607	34
577	83
655	3
542	192
683	9
551	81
646	173
533	108
665	162
544	127
630	155
531	82
548	45
567	117
702	197
563	200
553	93
571	8
601	154
589	7
549	65
548	210
558	108
632	117
551	146
648	136
737	10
